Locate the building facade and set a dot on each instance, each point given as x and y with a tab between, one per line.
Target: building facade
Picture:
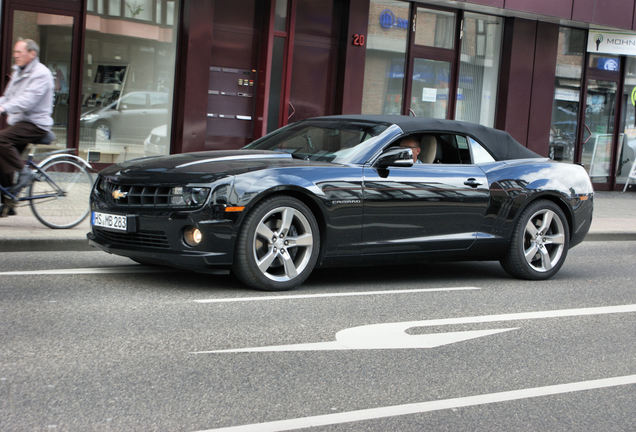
148	77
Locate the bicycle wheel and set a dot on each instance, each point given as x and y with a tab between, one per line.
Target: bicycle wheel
60	194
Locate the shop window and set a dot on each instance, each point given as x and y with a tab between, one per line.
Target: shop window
435	28
567	94
627	138
384	69
479	69
54	35
139	9
128	81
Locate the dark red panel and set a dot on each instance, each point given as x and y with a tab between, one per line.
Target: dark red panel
189	121
315	60
493	3
616	13
547	44
354	57
515	87
232	79
556	8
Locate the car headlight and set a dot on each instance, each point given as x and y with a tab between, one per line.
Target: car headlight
89	117
188	196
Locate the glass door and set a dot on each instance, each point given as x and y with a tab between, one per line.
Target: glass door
54	35
429	88
431	67
599	125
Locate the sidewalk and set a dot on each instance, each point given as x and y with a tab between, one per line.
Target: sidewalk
614	219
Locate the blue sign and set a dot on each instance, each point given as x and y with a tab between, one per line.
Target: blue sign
389	20
607	63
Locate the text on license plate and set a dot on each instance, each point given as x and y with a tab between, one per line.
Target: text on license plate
105	220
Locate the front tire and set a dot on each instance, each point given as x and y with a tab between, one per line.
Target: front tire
68	186
278	245
540	242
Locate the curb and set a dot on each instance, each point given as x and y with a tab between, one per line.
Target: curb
40	245
610	236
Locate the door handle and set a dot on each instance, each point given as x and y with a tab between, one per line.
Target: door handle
472	183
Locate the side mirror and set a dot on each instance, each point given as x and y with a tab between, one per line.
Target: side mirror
395	156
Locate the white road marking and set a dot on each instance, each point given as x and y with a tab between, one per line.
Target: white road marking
393	336
346	294
423	407
134	268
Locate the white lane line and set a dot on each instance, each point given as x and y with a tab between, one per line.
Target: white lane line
89	270
423	407
347	294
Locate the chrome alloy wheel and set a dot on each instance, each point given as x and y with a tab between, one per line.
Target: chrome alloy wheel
544	240
283	243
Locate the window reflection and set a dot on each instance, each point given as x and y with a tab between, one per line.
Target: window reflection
435	28
479	69
128	81
567	94
54	35
384	61
626	154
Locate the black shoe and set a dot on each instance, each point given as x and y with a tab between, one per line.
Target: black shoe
7	207
25	177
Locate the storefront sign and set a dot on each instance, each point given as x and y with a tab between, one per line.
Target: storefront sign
611	43
388	20
429	94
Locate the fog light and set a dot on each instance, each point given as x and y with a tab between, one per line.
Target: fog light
192	236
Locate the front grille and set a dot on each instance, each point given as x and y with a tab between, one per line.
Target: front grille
149	239
137	196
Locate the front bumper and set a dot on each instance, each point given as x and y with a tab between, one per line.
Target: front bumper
159	239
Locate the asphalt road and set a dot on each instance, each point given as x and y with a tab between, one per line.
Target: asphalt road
90	342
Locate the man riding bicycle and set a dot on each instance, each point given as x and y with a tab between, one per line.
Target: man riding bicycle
28	103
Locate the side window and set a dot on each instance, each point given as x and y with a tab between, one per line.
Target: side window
135	100
480	154
449	151
158	100
463	150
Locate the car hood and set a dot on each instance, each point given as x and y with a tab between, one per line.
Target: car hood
201	166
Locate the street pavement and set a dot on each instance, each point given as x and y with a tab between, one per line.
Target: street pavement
614	219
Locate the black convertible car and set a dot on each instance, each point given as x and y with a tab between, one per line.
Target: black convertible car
346	190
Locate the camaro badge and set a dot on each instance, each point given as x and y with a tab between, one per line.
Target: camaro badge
117	194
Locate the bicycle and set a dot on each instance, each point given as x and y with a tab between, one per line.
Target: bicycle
59	190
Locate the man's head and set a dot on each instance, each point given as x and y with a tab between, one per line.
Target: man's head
413	144
24	51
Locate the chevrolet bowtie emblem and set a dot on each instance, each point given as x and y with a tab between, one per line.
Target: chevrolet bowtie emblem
117	194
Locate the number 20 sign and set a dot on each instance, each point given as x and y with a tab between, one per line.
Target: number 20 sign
358	39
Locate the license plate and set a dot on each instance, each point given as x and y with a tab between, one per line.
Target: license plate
110	221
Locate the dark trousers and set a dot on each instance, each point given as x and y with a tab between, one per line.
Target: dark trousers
13	140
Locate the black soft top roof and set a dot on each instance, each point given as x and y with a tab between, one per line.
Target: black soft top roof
499	143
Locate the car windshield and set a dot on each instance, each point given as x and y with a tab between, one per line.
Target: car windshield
329	141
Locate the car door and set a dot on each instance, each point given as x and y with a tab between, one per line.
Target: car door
423	208
132	117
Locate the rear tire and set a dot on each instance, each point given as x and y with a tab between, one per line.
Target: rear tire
540	242
68	205
278	245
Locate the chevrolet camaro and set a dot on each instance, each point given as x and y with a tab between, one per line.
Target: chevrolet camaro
341	191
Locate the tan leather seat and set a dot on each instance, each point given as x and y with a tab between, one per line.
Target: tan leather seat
429	149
